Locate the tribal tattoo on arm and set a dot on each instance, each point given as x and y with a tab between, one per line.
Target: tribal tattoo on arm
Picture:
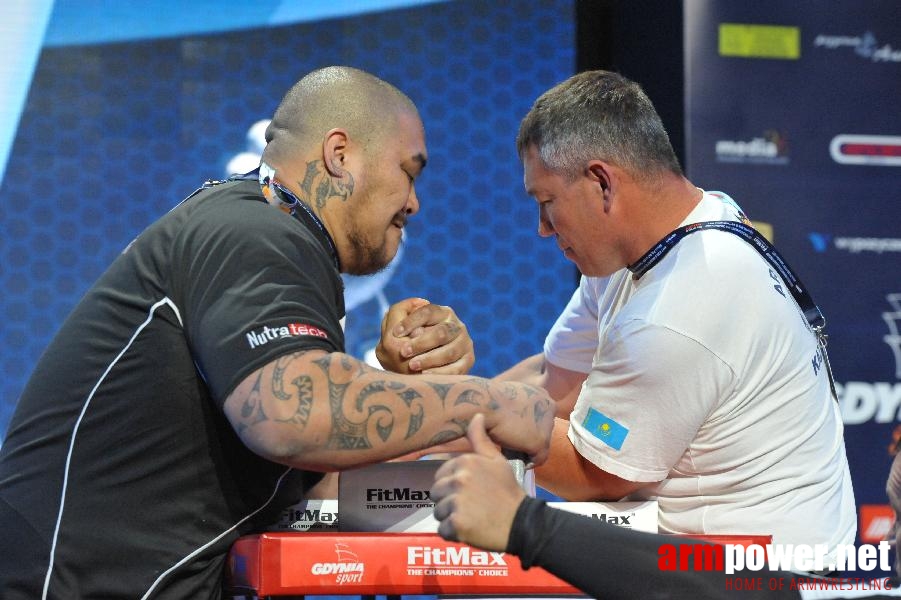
355	415
253	410
360	408
351	431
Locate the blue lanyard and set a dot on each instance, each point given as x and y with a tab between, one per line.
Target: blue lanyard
812	313
279	196
284	199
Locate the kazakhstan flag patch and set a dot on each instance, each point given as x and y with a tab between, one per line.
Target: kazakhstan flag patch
605	429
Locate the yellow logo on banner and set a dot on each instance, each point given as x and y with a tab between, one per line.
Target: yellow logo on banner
760	41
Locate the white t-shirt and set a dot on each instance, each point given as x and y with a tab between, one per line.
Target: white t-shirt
701	377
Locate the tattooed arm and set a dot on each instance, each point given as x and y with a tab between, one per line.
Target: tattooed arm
329	411
562	384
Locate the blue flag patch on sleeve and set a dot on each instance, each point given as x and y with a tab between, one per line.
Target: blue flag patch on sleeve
605	429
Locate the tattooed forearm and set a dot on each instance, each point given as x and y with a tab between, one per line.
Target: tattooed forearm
469	397
415	422
441	389
345	434
456	429
252	408
362	415
374	413
511	391
303	396
408	396
301	416
278	376
380	386
541	410
309	409
384	423
373	388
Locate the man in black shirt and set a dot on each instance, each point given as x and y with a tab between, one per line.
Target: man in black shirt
201	384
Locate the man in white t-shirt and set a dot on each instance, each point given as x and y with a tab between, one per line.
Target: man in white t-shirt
685	366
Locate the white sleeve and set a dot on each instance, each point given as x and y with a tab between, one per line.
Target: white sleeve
644	401
573	340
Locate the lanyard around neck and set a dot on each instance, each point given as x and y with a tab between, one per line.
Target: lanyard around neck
281	197
812	313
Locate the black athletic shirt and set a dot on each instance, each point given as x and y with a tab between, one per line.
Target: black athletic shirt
120	476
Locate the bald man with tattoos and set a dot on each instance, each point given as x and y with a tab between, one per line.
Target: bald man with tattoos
201	385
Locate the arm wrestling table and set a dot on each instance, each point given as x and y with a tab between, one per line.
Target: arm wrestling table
294	564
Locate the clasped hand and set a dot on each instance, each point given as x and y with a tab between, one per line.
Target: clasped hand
421	337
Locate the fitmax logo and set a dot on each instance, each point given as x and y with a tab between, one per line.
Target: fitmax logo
303	520
622	520
453	557
396	495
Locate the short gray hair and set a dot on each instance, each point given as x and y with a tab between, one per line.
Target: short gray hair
597	115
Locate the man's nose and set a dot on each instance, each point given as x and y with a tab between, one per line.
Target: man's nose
545	228
412	201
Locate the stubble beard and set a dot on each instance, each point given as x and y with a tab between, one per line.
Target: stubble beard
368	258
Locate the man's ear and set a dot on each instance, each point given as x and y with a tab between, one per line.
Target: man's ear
601	173
334	152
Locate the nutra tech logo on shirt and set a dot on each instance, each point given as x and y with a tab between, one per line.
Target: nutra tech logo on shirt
267	334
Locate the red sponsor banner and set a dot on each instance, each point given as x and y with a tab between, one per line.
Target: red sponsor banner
875	522
307	563
366	563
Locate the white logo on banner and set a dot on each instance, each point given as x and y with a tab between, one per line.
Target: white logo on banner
347	569
873	150
865	46
771	148
822	242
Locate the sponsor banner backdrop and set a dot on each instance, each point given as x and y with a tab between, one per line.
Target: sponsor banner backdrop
792	109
